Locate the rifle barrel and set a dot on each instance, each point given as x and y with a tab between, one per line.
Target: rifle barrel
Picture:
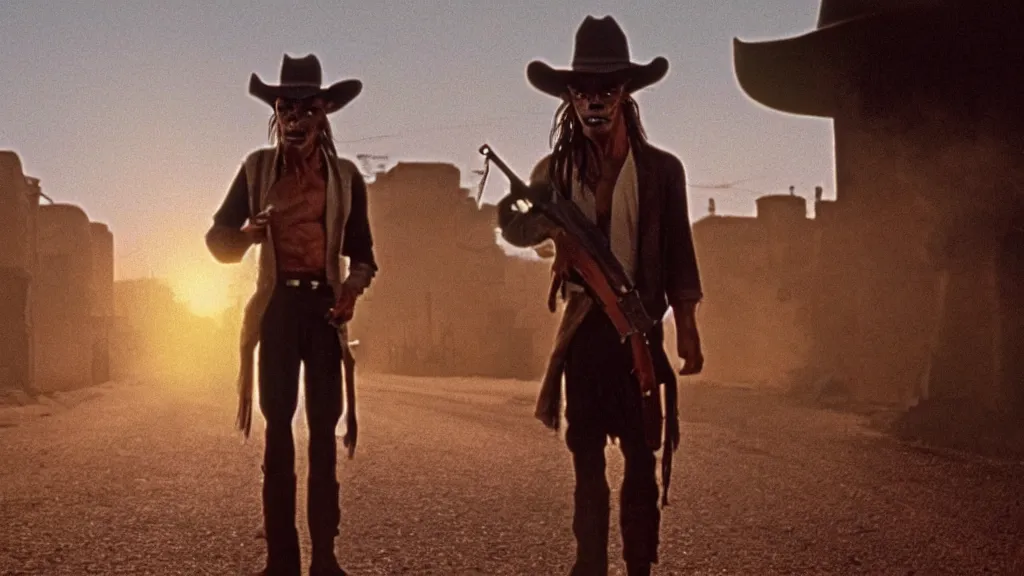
491	155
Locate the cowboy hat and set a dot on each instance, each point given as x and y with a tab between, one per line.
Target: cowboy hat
601	50
811	74
301	78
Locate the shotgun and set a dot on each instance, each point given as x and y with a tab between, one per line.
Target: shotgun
582	249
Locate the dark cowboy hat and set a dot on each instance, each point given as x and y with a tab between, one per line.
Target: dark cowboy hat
807	74
301	78
601	49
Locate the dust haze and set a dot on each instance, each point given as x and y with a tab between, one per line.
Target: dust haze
861	410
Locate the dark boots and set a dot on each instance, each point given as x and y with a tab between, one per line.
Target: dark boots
324	517
638	569
283	557
581	569
590	513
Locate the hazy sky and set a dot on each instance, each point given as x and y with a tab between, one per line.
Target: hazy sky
139	112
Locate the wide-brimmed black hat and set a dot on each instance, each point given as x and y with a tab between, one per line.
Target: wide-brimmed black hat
301	78
601	49
810	74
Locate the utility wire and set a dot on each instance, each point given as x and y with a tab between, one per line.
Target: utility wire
732	186
442	128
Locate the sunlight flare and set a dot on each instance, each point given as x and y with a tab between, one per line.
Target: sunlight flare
202	286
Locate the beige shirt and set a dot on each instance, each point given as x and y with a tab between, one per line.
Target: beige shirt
623	233
624	240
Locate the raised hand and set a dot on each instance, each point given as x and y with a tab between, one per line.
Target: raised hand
256	229
344	307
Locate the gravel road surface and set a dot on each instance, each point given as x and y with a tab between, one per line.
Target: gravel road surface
455	477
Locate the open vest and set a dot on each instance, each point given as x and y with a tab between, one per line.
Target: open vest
261	171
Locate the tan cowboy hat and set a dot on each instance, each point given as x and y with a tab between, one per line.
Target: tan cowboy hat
301	78
810	74
601	50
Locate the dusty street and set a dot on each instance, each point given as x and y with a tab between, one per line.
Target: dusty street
455	477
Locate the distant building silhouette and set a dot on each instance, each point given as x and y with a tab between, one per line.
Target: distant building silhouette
448	300
920	275
16	267
756	272
56	279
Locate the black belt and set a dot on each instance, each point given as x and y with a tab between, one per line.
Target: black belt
303	283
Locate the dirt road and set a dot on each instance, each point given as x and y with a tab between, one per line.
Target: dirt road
454	477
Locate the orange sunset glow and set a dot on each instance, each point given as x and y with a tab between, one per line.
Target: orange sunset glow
202	285
527	288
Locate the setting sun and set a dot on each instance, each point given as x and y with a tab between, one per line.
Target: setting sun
204	295
203	286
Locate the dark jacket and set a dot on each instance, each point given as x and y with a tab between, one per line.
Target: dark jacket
667	272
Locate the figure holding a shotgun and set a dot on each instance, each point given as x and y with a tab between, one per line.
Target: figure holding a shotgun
616	209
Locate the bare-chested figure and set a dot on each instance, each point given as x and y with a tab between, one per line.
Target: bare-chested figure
306	208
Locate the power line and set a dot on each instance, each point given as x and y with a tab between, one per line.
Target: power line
730	188
727	186
443	128
380	160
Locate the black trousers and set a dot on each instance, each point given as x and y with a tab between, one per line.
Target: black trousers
294	331
602	401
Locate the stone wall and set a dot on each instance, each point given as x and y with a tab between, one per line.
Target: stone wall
15	275
62	311
448	301
102	298
919	268
754	319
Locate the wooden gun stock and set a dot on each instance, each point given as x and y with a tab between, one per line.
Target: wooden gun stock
570	255
579	247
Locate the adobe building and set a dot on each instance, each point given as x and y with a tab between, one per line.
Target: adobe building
448	301
102	288
142	344
755	317
63	299
35	196
54	307
140	304
15	274
920	282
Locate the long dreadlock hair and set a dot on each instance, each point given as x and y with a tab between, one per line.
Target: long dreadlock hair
326	137
572	151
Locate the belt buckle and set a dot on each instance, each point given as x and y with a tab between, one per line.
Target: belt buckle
292	283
